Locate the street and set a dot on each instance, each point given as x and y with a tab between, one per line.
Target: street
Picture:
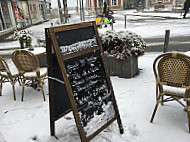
152	28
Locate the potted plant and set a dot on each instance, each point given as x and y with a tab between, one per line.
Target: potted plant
122	50
24	37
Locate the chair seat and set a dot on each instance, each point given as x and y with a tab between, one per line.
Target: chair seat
13	70
14	74
43	72
173	91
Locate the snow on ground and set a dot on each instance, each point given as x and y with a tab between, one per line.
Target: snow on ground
28	121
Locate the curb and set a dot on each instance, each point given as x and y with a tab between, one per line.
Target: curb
168	17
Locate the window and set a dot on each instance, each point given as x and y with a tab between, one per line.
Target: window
114	2
154	1
100	3
166	0
42	11
48	13
5	20
35	12
21	14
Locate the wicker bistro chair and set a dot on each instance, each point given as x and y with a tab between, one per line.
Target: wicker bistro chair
172	73
7	76
29	69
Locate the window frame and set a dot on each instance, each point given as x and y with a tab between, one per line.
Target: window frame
98	5
115	1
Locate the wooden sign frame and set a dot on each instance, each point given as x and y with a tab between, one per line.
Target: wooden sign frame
53	51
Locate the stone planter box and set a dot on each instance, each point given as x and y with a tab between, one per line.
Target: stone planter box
123	69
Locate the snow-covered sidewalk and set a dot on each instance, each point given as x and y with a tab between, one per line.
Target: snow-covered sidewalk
39	30
28	121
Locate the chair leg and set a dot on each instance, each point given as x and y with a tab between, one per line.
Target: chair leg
20	81
188	113
13	86
154	112
162	99
41	85
188	116
1	85
23	84
155	109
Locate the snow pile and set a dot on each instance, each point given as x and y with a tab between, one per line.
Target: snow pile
122	44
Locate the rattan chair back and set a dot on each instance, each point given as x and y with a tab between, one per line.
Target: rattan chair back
174	69
25	61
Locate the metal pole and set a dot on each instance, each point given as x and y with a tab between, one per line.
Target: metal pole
166	42
65	10
96	7
112	25
60	11
100	5
125	21
80	10
77	9
83	11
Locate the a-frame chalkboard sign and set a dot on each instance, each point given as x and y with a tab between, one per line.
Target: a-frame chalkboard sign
78	79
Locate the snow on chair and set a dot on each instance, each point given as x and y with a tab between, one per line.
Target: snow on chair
29	69
7	76
172	73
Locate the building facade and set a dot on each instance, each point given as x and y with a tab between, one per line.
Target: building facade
165	3
18	14
97	5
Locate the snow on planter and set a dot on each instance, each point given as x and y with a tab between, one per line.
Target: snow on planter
122	50
122	44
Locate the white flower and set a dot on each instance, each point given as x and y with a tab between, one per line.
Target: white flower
22	35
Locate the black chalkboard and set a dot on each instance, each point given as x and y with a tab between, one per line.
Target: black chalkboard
91	90
75	58
61	98
69	37
71	41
